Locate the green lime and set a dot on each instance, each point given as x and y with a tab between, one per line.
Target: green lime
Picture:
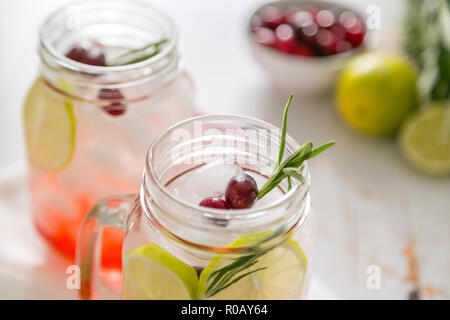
282	279
375	92
49	128
151	273
425	140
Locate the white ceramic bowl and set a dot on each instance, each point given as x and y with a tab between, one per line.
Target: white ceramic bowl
300	73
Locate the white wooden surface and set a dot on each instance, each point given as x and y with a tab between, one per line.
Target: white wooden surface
373	209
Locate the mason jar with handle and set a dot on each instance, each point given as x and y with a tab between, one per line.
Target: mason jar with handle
176	249
110	81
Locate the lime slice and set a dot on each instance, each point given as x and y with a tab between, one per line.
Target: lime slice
425	140
282	279
49	128
151	273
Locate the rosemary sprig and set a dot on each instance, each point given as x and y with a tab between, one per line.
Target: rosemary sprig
427	41
292	167
139	54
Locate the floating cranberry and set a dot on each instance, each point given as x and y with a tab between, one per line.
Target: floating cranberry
271	17
93	57
77	53
216	203
241	192
115	107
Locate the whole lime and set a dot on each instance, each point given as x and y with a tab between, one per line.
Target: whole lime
376	91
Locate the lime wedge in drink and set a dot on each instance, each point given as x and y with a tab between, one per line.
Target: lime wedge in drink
425	140
49	128
151	273
282	279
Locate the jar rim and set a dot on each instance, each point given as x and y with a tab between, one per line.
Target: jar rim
249	213
71	65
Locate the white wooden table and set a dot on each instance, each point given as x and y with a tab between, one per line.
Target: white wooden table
373	209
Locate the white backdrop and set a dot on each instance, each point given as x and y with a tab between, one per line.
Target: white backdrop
371	206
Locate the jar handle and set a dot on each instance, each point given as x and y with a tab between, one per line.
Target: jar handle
108	212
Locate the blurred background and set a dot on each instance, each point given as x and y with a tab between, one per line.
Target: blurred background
373	207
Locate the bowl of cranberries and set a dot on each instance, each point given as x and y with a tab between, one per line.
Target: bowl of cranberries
303	44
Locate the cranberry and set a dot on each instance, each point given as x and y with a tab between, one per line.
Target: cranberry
265	36
338	30
327	41
325	18
255	22
284	38
271	16
115	107
342	46
354	28
93	57
216	203
76	53
241	192
307	35
301	49
286	41
355	34
300	18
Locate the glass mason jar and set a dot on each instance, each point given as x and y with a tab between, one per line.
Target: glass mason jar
176	249
89	127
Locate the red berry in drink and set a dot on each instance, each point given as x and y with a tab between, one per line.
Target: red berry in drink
93	57
241	192
215	203
115	107
77	53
